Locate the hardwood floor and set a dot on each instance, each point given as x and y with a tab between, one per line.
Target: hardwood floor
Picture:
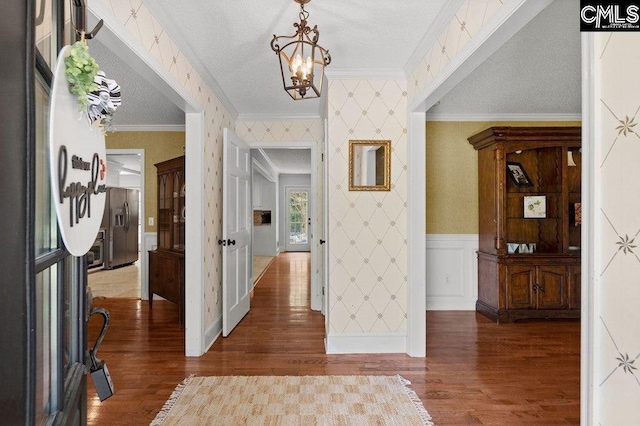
476	372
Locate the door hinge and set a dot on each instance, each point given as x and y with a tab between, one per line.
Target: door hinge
322	157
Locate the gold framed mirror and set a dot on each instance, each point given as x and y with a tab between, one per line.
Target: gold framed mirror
369	165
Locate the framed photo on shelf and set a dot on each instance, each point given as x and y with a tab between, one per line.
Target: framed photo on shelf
535	207
518	175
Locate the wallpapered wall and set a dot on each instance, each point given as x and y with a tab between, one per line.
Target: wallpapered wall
617	226
294	131
452	173
367	230
467	21
158	146
144	27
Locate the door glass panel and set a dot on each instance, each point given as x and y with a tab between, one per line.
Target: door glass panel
72	302
46	237
164	211
298	201
45	33
46	338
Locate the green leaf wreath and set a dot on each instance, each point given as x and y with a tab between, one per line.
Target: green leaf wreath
81	70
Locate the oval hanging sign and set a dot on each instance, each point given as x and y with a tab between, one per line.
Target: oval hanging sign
78	166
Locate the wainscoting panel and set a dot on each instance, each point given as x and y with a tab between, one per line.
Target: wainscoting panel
452	272
149	242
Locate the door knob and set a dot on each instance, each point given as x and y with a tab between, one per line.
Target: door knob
222	242
231	242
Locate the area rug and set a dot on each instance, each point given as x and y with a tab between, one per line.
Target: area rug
293	400
260	265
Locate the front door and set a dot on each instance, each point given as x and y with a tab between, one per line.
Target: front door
42	287
297	219
236	231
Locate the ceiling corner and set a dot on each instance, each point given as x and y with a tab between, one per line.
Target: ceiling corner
447	13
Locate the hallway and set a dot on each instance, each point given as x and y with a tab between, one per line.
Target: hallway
476	372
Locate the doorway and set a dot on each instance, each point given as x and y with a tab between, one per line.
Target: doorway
273	166
124	171
297	219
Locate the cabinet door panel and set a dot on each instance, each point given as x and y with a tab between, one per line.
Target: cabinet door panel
155	275
575	281
520	281
552	291
172	284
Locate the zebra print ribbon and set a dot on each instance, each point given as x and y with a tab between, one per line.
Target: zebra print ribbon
104	101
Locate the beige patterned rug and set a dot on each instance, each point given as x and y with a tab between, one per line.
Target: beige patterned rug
293	400
260	265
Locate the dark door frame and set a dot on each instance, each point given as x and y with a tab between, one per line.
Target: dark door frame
20	67
17	196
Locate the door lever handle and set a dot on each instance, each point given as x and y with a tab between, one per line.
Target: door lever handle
322	241
231	242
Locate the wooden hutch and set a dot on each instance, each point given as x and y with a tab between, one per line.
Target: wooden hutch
166	263
529	222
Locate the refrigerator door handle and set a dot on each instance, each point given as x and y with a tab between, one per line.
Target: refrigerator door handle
126	216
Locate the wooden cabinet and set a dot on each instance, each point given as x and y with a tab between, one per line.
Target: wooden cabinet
529	186
166	263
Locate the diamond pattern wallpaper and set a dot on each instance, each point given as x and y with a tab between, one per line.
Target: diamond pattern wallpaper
468	20
617	224
367	230
145	28
294	131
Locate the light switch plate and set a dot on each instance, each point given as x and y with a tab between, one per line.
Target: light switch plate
151	221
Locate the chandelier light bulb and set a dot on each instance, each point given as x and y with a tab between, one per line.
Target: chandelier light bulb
304	58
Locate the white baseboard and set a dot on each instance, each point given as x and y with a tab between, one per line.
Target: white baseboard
366	343
452	272
149	242
213	332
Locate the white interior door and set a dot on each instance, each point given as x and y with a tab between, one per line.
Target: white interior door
298	221
236	231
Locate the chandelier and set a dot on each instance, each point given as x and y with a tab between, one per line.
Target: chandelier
302	59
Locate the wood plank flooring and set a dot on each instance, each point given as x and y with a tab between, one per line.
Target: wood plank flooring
476	372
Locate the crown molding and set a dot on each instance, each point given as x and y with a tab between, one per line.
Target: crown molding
176	35
443	19
364	74
267	117
149	128
503	117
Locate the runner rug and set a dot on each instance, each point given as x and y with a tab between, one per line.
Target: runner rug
293	400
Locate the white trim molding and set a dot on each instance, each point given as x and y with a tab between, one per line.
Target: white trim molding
149	242
591	81
149	128
212	333
452	272
366	343
194	241
503	117
416	202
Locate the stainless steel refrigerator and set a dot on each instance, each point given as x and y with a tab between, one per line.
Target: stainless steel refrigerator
120	221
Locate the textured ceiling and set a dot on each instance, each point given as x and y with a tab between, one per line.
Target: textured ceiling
142	104
232	41
290	161
536	72
129	162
